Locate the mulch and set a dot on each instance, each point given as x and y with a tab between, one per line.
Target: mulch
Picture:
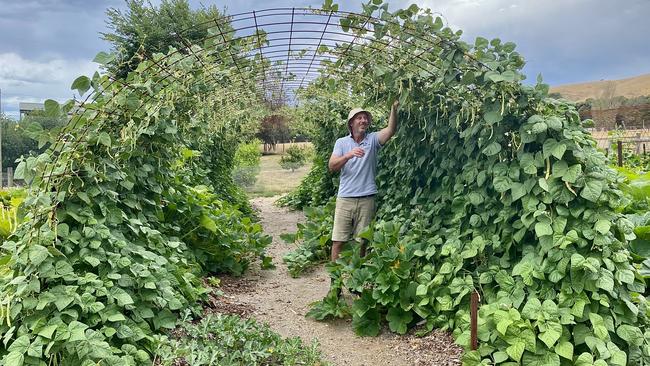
436	348
222	299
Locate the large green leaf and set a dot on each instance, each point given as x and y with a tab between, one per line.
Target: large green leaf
398	320
14	358
598	325
544	359
368	324
516	350
565	350
81	85
630	334
492	149
592	190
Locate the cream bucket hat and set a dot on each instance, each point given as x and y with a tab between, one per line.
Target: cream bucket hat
356	111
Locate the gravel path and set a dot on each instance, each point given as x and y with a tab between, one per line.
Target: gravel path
272	296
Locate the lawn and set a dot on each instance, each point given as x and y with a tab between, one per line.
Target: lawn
273	180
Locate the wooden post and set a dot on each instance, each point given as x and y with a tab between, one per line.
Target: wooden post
607	152
619	150
644	148
473	313
10	177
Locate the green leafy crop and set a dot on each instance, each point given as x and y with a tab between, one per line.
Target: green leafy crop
227	340
488	186
130	205
314	237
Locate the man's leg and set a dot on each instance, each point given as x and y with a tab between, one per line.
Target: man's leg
336	249
364	216
342	230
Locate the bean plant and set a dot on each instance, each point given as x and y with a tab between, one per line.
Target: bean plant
128	208
488	186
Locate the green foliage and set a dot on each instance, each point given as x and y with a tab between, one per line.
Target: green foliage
21	138
490	186
223	239
637	163
229	340
220	160
332	306
141	31
247	163
637	188
294	158
11	214
315	237
314	190
248	154
126	213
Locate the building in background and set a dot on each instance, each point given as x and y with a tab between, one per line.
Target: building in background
26	108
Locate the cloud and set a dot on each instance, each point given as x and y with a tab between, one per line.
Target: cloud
47	43
25	80
566	41
53	28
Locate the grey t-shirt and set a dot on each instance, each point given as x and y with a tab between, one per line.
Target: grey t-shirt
358	174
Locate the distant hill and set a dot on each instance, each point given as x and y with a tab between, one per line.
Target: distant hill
605	89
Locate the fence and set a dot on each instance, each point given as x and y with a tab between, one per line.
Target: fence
623	143
7	179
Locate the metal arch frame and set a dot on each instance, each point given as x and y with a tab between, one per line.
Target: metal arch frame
232	18
337	14
249	94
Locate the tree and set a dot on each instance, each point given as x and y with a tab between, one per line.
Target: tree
19	139
143	30
274	129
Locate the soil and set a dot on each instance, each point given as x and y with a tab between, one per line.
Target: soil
273	297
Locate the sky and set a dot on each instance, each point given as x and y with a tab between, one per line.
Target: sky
46	44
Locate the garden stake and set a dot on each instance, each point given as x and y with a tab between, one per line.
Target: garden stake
473	311
619	148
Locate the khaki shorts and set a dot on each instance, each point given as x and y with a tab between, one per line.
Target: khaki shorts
352	216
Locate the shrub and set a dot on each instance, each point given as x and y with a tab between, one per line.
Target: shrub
294	158
247	163
10	215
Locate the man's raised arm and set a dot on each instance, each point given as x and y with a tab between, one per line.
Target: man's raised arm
386	133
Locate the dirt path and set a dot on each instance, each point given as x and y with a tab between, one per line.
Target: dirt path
272	296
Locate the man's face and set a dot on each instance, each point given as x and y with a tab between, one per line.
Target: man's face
360	123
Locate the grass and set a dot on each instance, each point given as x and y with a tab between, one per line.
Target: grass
273	180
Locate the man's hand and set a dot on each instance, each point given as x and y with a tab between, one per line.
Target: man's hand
336	162
395	105
357	151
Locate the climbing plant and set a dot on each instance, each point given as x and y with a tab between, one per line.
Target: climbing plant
488	186
129	206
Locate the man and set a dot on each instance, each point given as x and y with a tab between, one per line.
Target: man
355	156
